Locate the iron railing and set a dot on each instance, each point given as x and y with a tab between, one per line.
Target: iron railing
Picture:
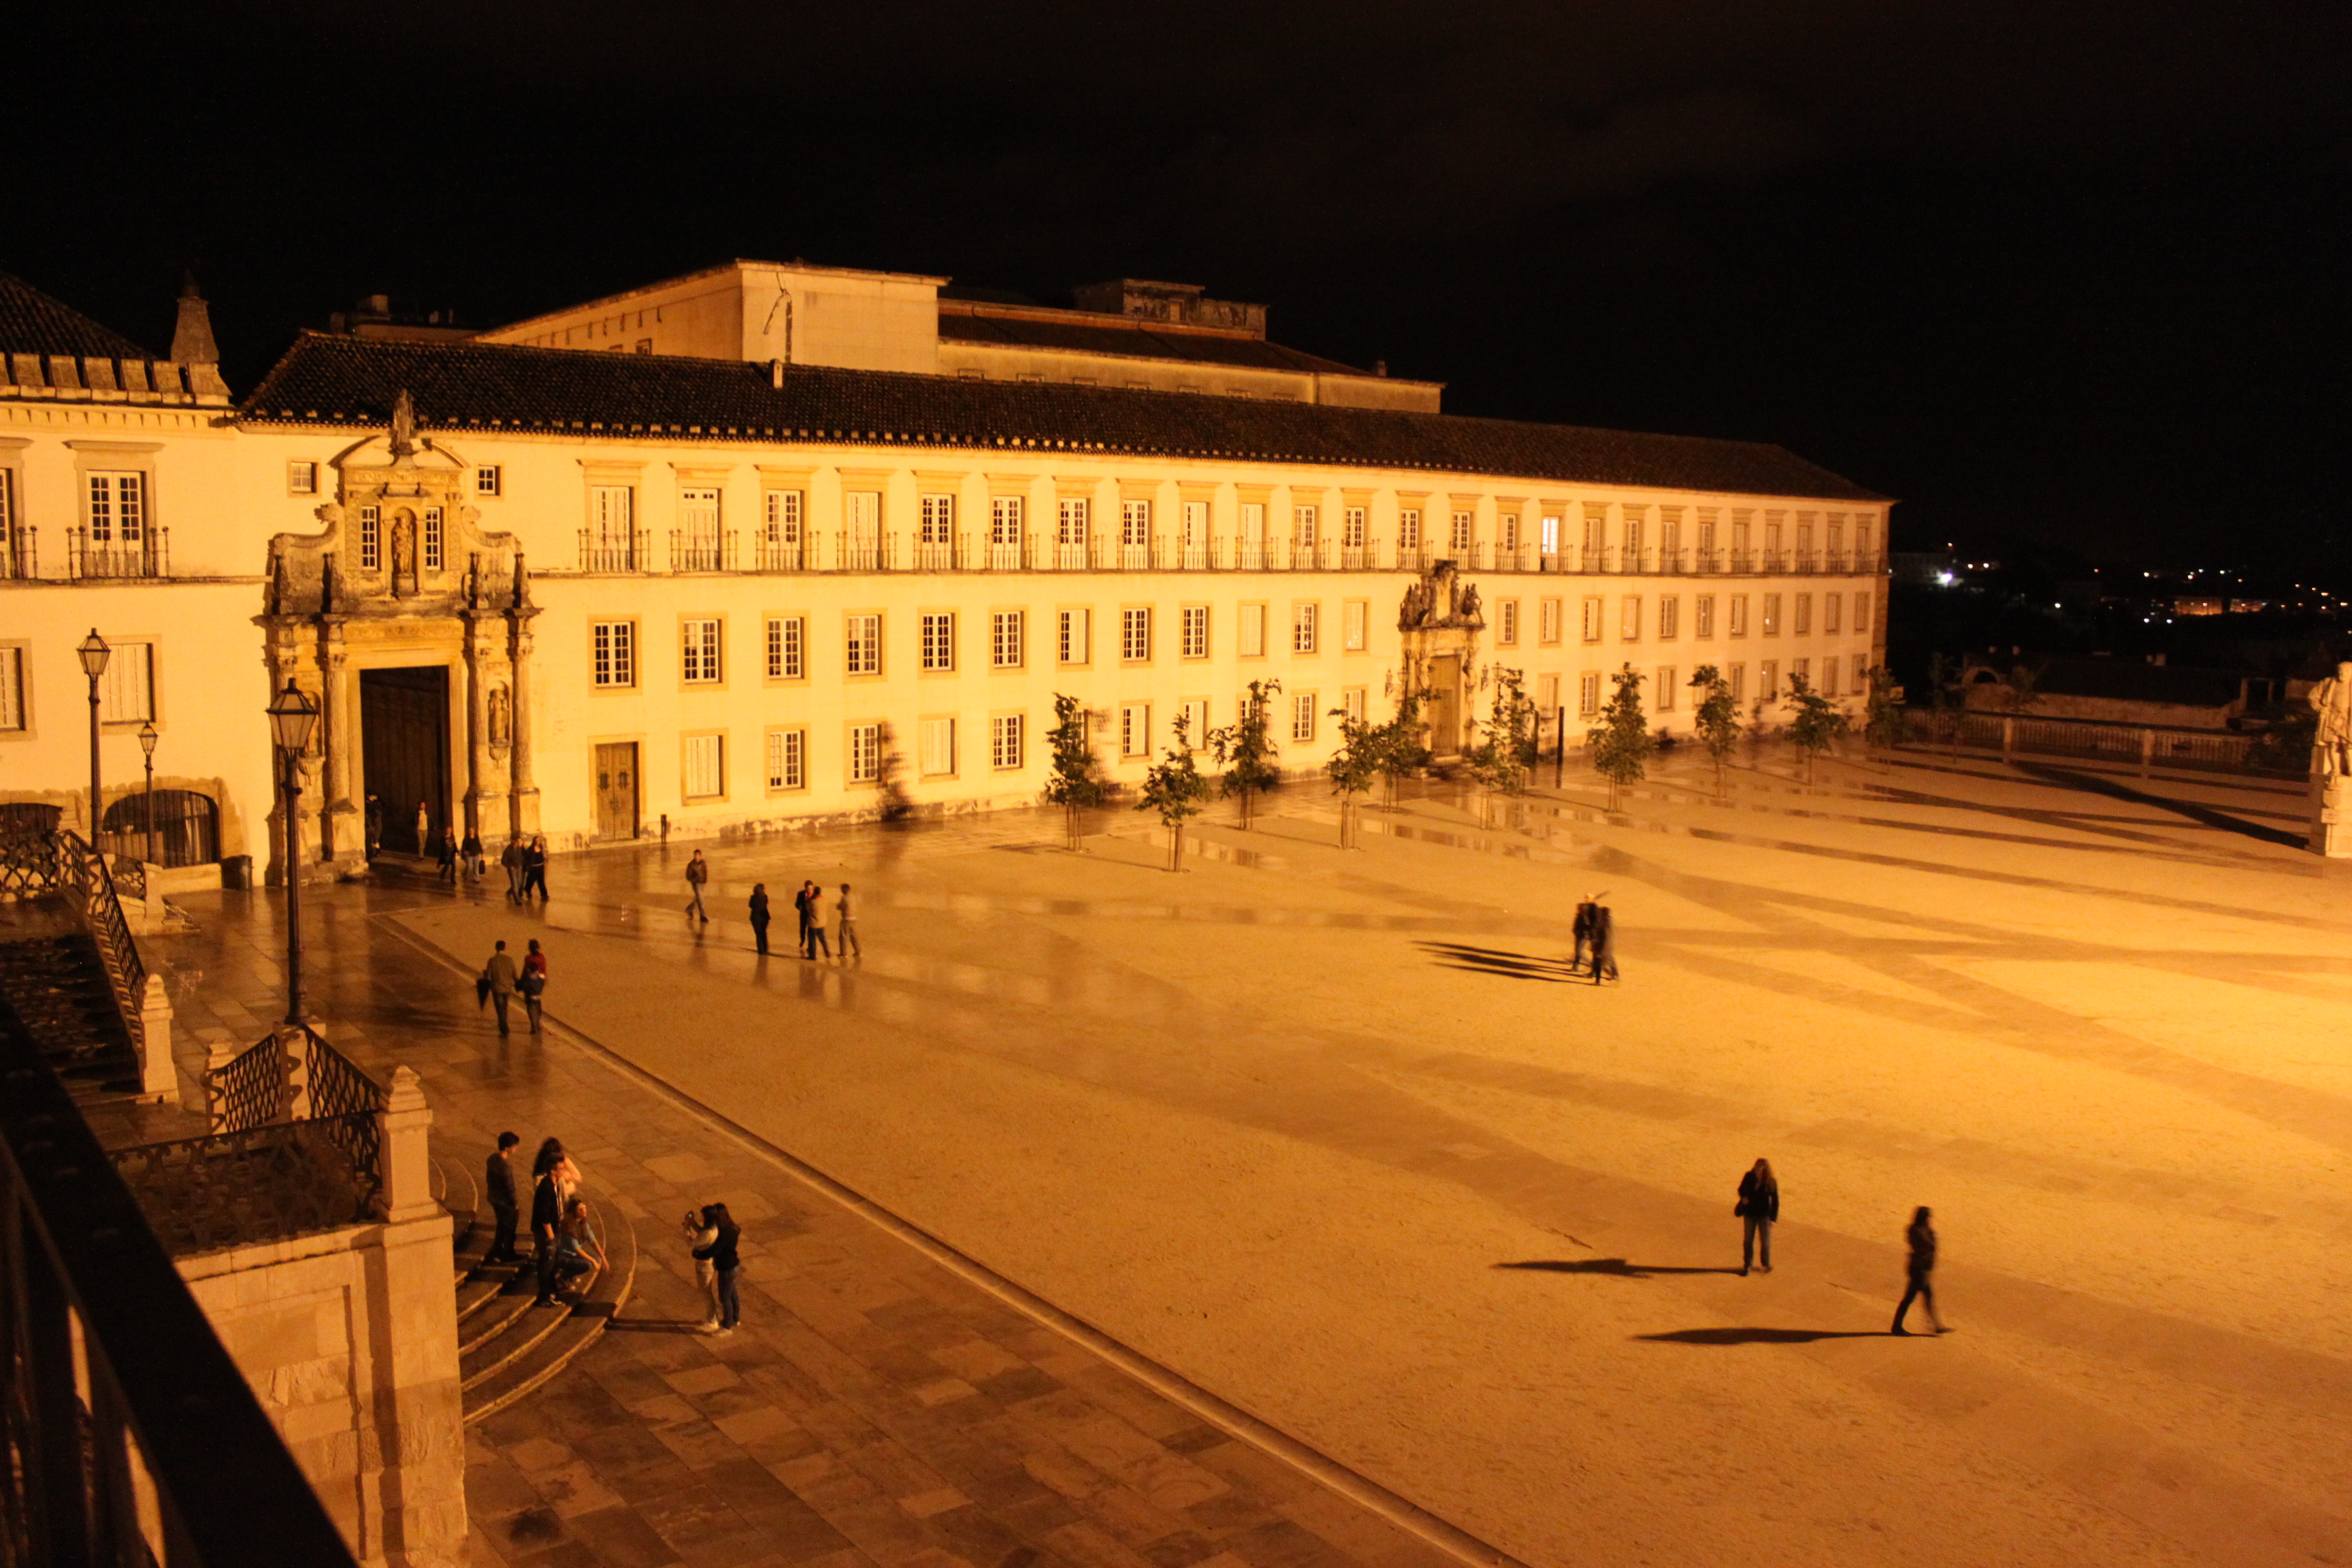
251	1089
19	557
690	552
263	1184
607	552
781	555
109	1371
29	862
89	892
147	557
2102	740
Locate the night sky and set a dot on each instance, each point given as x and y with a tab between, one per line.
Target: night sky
2074	271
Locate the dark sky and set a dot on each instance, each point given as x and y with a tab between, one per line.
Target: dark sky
2074	269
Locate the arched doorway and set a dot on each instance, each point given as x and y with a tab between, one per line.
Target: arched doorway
186	826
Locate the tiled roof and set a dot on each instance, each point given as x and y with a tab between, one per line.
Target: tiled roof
346	382
1109	336
33	323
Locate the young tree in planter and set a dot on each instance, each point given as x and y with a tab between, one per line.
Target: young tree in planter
1718	718
1500	760
1882	714
1076	781
1246	751
1814	721
1621	741
1401	749
1354	766
1175	789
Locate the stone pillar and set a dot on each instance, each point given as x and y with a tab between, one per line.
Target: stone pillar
402	1126
481	798
158	1079
342	833
218	1056
2331	815
526	785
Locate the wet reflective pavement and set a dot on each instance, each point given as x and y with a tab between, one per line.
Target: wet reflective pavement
1297	1126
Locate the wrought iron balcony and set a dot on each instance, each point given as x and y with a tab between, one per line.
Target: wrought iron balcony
111	559
613	552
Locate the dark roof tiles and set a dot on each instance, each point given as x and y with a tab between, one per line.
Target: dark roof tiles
31	323
339	380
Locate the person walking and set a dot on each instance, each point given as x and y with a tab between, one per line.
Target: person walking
546	1216
817	944
498	981
510	857
844	926
1921	1237
1759	1206
701	1232
445	856
470	855
759	917
1581	928
534	868
1604	943
697	873
533	982
374	819
498	1181
724	1261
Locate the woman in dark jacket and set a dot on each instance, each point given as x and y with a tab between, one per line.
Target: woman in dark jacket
1921	1238
1759	1206
723	1258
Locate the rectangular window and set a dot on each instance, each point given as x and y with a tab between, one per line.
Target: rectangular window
699	663
12	689
864	752
1705	622
862	510
1670	617
1772	614
1739	683
1464	523
1303	520
301	477
1073	521
937	747
1135	730
1196	524
1409	528
127	690
1254	524
936	633
1860	678
1078	637
1195	643
1801	670
1355	623
1831	605
1548	620
1665	690
370	538
118	508
1352	528
1861	611
1547	694
787	759
706	772
861	645
1008	640
489	481
1355	703
1829	678
432	546
697	521
1302	627
1005	740
1804	621
1004	520
1739	614
1193	714
1588	695
1134	522
1593	608
1768	679
1596	534
1549	537
1632	543
1506	623
617	652
1302	716
782	517
1135	634
785	641
1253	631
1628	618
613	516
1507	533
936	520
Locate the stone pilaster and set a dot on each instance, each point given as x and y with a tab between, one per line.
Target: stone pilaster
526	785
2331	815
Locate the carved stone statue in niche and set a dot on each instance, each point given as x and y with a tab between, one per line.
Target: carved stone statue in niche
1440	598
499	720
404	552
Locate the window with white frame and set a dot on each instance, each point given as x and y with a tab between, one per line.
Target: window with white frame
118	507
1135	728
1077	640
1008	638
782	512
1250	631
1355	703
1829	678
1507	532
1353	526
1670	536
1192	636
1135	632
1196	524
1703	620
1739	614
1588	695
12	689
1666	689
1073	521
787	645
1670	617
489	481
1004	518
1548	613
864	752
788	759
1254	524
1303	626
1506	621
697	518
301	477
936	520
861	645
1302	716
1739	676
1592	609
1007	741
937	744
1772	614
1767	681
1548	534
1303	522
1596	534
700	665
1633	543
613	516
1800	669
1547	694
430	548
1409	528
370	538
862	510
706	767
615	645
1831	605
937	635
1134	522
1192	712
1355	624
9	543
1861	611
1628	618
1464	525
1803	621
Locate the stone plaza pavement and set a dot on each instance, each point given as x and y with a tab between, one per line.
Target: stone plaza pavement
1329	1135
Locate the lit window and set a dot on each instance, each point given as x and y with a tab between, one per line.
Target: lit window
617	652
1355	617
1302	716
1194	641
1005	740
1135	523
785	642
937	637
787	759
1670	617
1705	624
1302	627
301	477
489	480
937	747
1772	614
705	773
1135	634
1506	621
1628	618
1076	637
1135	730
864	752
701	652
1007	638
862	645
1666	689
1768	679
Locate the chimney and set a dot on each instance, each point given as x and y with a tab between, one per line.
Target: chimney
192	338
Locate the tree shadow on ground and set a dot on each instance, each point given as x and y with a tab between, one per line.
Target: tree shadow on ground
2194	811
1494	961
1759	1336
1616	1266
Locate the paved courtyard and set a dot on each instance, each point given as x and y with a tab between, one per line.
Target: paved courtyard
1330	1136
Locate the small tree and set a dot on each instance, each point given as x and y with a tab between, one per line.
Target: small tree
1076	782
1354	767
1500	760
1621	741
1402	749
2017	693
1717	718
1245	749
1175	789
889	767
1881	716
1814	721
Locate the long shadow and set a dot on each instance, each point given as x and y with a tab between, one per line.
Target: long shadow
653	1326
1612	1266
2188	808
1759	1336
1496	962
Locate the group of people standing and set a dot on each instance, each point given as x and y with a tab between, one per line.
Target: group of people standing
1760	1209
810	903
564	1243
1596	938
712	1235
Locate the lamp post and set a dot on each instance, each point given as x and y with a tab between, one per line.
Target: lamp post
94	654
148	736
293	714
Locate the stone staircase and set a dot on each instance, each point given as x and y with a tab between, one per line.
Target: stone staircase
53	975
507	1347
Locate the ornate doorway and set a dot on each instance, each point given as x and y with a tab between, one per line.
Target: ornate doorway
405	750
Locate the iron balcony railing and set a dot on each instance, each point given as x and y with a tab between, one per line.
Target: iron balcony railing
19	557
781	555
691	551
603	551
110	1371
104	559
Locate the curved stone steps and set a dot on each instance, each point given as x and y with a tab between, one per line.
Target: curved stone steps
492	1314
532	1344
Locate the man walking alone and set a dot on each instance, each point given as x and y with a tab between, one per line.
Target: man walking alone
760	916
500	979
1921	1237
697	873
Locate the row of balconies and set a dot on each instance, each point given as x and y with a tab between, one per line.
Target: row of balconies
87	560
609	554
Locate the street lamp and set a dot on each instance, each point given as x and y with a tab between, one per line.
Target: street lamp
148	736
292	715
94	654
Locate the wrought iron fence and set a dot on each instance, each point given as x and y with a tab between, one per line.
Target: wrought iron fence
780	555
19	560
149	557
603	551
262	1183
90	891
29	861
692	551
251	1089
2146	745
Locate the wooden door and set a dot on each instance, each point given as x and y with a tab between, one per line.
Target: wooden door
616	790
1445	704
